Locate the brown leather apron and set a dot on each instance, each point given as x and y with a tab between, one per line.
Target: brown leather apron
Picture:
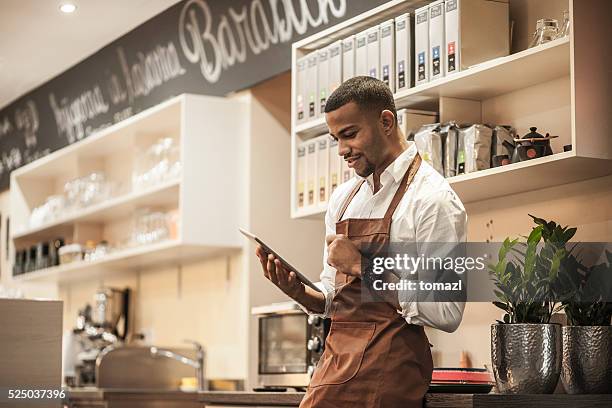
373	358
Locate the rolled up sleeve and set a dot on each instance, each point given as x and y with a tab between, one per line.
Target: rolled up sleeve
441	224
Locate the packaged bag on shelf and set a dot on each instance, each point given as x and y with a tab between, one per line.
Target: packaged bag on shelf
311	172
311	87
387	53
474	148
323	78
475	31
335	165
335	66
347	172
421	45
361	54
436	40
348	58
404	44
430	145
503	134
301	175
373	52
449	132
300	94
322	168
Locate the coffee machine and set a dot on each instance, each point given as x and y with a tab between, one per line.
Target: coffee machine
105	323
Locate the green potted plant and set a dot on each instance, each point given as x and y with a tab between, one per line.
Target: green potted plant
525	346
587	340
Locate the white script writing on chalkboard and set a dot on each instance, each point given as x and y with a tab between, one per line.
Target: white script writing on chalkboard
151	70
71	114
249	27
5	126
27	122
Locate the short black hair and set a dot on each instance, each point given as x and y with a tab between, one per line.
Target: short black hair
370	94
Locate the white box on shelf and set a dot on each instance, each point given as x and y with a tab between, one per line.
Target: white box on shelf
373	52
348	58
421	45
322	169
301	175
387	53
404	43
322	78
335	66
312	99
436	40
410	120
311	172
347	172
335	165
481	22
300	94
361	54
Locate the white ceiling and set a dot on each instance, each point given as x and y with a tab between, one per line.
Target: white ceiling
38	42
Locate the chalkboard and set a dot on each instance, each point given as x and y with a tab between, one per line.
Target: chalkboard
196	46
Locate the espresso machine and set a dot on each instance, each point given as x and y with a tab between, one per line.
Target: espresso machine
105	323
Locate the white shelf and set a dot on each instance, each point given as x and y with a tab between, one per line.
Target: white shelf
118	207
487	80
530	175
166	253
208	204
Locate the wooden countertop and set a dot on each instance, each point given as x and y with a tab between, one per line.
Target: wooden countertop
292	399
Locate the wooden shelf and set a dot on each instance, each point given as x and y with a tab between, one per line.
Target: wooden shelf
165	253
161	195
489	79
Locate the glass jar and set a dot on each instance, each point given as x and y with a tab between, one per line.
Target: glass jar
546	30
70	253
564	30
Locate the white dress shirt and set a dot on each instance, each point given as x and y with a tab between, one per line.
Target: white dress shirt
429	212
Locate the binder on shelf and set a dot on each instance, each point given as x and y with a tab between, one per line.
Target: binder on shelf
311	87
322	169
300	94
348	58
335	66
460	29
436	40
373	52
387	53
311	172
361	55
322	78
335	165
301	175
404	45
421	45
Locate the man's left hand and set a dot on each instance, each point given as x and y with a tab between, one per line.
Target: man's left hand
343	255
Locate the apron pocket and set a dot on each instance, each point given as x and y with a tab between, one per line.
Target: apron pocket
344	350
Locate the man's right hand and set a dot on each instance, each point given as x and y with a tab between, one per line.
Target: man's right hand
285	280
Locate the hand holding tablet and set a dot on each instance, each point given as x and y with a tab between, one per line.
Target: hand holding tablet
285	264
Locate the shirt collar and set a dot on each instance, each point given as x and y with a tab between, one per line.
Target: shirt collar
397	168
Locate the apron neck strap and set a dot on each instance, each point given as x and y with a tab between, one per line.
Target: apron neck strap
350	198
401	190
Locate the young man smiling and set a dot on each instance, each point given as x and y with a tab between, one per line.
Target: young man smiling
377	353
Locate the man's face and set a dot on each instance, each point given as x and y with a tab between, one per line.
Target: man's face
359	136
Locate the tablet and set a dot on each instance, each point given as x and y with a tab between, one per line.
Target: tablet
286	264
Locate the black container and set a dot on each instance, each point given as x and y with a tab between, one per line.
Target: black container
500	160
54	247
19	262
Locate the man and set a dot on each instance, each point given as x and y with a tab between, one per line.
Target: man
377	353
